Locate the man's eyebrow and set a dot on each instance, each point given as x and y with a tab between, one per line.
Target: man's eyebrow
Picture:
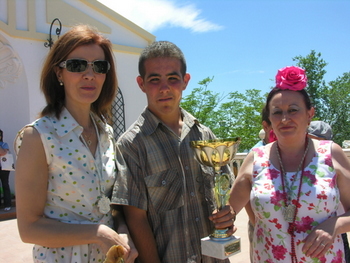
153	75
158	75
173	73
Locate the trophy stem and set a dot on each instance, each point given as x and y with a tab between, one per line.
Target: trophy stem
221	195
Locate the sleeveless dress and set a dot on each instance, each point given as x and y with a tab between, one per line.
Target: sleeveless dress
319	200
74	182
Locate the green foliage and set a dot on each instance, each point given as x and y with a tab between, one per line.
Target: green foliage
314	66
203	103
337	112
331	100
238	116
242	114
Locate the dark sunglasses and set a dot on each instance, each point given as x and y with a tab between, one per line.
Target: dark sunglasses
80	65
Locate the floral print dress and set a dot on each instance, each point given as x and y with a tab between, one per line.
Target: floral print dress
319	200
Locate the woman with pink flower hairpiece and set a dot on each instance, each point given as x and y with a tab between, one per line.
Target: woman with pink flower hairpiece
295	184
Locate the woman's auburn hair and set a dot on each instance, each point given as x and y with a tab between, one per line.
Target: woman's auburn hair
54	93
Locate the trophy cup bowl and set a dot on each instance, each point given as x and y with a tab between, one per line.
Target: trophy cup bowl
217	153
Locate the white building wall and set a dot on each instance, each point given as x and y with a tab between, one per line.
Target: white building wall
20	96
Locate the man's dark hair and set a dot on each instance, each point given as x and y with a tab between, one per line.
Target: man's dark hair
161	49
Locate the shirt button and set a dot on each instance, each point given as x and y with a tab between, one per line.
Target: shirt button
192	193
163	182
197	219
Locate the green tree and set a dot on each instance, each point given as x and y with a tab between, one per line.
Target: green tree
337	113
314	66
242	113
237	116
203	103
331	100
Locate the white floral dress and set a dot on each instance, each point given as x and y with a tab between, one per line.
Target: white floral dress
319	200
74	184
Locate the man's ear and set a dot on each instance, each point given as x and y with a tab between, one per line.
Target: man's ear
187	78
139	81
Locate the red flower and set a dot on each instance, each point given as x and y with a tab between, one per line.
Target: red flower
291	78
323	259
338	258
260	233
265	164
334	182
273	173
279	252
296	203
321	150
304	225
328	160
311	206
311	176
259	152
322	195
267	186
277	197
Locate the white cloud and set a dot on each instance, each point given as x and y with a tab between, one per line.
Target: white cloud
155	14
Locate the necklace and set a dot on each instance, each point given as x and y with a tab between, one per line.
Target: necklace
102	202
87	137
290	211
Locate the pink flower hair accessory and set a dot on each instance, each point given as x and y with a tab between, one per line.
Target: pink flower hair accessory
291	78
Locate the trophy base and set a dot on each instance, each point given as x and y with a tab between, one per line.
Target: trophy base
221	249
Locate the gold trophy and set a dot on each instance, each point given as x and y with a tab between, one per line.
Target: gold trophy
217	153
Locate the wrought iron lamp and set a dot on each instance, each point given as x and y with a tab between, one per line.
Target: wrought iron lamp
58	32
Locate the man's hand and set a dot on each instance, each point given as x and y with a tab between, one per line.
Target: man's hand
224	218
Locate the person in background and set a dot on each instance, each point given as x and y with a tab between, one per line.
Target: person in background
295	184
321	130
167	195
4	175
66	169
264	134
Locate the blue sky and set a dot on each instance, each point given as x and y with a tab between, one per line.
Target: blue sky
242	43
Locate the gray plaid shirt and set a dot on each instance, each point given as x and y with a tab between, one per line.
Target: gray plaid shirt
161	176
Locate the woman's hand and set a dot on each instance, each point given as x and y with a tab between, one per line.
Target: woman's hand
131	253
108	237
320	239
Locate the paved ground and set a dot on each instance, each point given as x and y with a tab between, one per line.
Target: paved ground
13	250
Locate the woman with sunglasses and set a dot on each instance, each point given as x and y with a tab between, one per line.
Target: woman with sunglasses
66	159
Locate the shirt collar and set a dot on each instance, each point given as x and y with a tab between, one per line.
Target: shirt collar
151	122
66	123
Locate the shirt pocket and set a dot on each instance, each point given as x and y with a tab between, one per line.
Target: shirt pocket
165	190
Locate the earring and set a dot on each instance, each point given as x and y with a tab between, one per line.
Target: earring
61	83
